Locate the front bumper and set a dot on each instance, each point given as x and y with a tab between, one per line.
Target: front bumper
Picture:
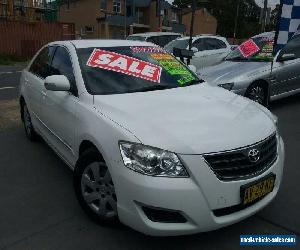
196	197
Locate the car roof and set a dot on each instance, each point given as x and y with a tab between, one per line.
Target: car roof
148	34
86	43
203	36
270	34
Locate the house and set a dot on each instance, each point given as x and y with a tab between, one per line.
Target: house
119	18
204	23
27	10
108	18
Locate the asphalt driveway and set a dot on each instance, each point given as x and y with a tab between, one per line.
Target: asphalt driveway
39	211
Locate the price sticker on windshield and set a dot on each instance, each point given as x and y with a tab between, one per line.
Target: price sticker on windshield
249	48
127	65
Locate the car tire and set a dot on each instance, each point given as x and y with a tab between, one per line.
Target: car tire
94	188
258	92
27	122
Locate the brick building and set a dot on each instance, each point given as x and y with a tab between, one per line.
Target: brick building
108	18
28	10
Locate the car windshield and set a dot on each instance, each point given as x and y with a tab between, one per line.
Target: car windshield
120	70
255	49
136	38
178	43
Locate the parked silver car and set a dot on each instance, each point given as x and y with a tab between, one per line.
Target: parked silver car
252	71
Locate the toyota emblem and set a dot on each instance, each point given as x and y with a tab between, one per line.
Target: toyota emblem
253	155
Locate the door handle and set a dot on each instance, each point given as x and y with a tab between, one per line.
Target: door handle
44	94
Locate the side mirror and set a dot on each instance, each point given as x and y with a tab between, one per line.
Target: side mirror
193	68
194	49
286	57
57	83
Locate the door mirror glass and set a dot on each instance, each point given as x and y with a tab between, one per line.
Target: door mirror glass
57	83
286	57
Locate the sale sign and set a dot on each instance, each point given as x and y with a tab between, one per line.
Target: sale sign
112	61
248	48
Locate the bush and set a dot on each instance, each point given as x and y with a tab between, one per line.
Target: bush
11	59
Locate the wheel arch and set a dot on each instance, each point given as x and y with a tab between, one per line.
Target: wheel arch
86	145
21	102
265	84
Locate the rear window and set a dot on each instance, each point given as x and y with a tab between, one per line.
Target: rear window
162	40
178	43
254	49
136	38
122	70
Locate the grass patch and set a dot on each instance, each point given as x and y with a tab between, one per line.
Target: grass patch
11	59
9	114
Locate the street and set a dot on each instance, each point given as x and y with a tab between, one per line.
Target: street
39	209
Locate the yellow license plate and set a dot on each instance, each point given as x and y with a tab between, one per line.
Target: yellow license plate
257	190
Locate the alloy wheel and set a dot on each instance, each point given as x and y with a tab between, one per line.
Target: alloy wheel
98	190
27	121
257	94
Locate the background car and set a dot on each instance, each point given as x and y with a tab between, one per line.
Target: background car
260	76
209	50
158	38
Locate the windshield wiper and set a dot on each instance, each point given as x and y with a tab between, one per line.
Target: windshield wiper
152	88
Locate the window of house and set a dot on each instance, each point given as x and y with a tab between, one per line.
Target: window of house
117	6
174	16
103	4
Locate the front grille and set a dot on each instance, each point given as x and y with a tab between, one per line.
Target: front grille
236	164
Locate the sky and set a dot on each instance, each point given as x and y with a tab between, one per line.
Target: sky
260	3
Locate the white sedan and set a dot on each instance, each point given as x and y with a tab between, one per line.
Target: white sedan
209	50
150	144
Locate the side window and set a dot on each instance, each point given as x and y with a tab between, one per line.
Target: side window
212	44
220	44
292	47
153	39
199	44
62	65
41	64
164	40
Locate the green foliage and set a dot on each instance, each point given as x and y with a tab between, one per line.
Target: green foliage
10	59
225	12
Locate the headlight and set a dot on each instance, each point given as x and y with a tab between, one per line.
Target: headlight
227	86
151	161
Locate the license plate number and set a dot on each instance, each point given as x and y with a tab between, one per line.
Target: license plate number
255	191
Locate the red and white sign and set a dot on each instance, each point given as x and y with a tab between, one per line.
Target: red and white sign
248	48
124	64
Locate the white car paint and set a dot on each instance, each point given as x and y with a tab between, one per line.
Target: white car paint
189	121
205	58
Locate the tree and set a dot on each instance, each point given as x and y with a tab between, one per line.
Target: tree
225	12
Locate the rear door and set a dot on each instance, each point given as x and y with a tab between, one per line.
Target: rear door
216	50
59	107
200	58
34	82
287	74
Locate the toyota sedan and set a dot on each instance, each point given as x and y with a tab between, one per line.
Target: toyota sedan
150	144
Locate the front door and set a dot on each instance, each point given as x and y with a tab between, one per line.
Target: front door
287	74
34	81
59	108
